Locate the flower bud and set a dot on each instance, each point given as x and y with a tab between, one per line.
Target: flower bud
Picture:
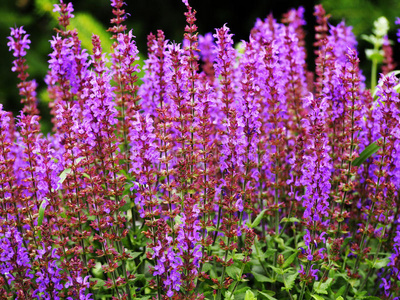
281	259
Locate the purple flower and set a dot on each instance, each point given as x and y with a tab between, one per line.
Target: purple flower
68	8
342	38
19	42
49	276
397	22
153	91
233	138
206	46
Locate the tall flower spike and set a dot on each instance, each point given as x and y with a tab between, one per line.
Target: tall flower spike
153	91
231	144
321	28
7	174
398	30
388	63
65	11
18	44
120	17
250	114
316	174
207	55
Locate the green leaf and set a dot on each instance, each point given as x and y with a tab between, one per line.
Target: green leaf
97	271
374	54
100	283
42	208
277	270
339	298
250	295
229	295
381	263
127	206
317	297
340	292
280	242
289	260
370	298
268	295
258	219
290	220
240	292
133	255
233	272
370	150
289	280
177	219
63	175
322	287
207	267
262	278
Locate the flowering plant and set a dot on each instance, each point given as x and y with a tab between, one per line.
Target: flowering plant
222	173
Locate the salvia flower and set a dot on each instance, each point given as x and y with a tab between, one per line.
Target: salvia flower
316	175
398	30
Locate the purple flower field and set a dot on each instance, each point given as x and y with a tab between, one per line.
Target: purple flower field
215	171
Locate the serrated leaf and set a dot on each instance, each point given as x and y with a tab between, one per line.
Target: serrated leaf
360	294
229	295
289	260
381	263
236	256
249	295
340	291
367	152
233	272
268	294
317	297
322	287
258	219
100	283
289	280
240	292
262	278
277	270
207	267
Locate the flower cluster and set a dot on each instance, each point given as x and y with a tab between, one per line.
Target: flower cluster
224	170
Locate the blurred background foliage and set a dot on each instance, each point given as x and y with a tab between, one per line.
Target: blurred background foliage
92	16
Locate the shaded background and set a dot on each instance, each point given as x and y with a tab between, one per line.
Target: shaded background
149	15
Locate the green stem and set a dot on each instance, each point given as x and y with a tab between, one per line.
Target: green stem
223	270
373	263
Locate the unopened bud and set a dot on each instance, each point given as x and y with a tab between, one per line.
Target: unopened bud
281	259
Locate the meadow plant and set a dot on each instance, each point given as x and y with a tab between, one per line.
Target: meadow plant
219	172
